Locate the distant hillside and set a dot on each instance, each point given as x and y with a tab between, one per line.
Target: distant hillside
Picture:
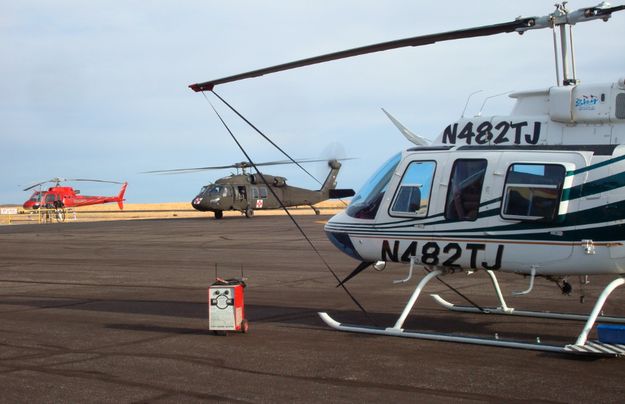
137	211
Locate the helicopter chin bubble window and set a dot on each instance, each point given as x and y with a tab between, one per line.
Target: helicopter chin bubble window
532	192
366	202
413	194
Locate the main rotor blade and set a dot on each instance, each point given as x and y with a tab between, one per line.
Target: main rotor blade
303	161
83	179
485	30
243	164
35	185
59	180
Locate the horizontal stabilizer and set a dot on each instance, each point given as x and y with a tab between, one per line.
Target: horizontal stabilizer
341	193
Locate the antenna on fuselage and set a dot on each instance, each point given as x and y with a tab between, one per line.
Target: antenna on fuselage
488	98
466	104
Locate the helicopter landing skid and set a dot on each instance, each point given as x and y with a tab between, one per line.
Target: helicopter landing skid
581	346
592	348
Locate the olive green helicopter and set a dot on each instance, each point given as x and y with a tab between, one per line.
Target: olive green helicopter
246	192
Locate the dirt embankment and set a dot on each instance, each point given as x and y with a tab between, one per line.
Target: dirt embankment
139	211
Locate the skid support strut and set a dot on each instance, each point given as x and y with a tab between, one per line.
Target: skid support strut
413	299
506	310
583	336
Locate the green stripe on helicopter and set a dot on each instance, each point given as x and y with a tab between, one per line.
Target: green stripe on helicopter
596	216
594	187
595	166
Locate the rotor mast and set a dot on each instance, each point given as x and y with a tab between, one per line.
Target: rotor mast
566	43
562	17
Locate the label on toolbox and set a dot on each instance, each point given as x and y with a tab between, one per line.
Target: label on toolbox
221	313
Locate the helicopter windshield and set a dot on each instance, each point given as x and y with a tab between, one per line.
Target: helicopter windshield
366	203
218	190
35	197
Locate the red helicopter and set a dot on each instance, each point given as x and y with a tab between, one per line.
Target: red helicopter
58	197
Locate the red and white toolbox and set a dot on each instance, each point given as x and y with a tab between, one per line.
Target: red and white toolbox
225	306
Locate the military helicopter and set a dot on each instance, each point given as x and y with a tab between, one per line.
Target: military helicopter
539	192
246	192
60	197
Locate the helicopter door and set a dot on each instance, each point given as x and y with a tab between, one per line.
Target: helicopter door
241	193
227	195
534	208
240	197
50	200
465	189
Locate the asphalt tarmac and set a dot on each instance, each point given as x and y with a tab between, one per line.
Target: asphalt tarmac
117	312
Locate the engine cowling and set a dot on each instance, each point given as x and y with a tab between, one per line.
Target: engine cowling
279	181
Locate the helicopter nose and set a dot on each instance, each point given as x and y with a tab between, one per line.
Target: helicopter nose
343	242
339	238
198	204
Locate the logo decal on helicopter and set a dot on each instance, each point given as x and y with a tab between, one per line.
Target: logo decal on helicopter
496	132
586	102
259	203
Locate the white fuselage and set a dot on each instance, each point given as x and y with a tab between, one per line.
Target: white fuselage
542	189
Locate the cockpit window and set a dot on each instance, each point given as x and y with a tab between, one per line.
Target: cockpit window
413	194
36	197
216	190
203	189
366	203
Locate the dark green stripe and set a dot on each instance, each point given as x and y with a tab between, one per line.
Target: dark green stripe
598	165
597	234
498	199
595	187
605	213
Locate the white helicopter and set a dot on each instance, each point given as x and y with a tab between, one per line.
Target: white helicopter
538	192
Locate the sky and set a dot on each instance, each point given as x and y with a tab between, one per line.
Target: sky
99	89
